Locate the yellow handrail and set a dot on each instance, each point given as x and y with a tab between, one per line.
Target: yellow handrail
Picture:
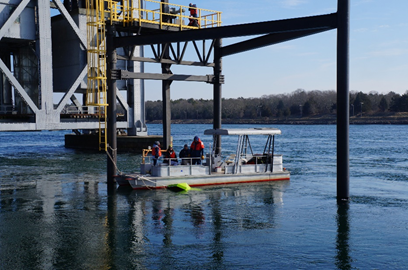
153	12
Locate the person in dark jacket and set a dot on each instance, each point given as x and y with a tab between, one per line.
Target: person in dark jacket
184	154
197	150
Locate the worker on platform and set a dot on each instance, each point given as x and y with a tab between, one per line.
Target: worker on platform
197	150
156	152
184	154
193	14
170	156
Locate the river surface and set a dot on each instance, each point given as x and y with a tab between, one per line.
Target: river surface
55	212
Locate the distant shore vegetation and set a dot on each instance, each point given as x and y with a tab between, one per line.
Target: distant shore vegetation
299	103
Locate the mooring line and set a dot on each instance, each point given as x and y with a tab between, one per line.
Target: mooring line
114	163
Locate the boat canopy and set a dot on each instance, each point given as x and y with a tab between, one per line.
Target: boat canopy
243	131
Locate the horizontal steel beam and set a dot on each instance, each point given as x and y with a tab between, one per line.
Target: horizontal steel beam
166	61
324	22
124	75
266	41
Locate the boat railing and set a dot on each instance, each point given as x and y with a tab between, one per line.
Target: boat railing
179	161
229	165
148	159
249	163
173	168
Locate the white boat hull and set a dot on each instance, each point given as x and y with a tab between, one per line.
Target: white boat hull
139	181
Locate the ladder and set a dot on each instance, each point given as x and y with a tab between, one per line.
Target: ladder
96	57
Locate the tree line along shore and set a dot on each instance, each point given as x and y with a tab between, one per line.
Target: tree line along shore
298	107
379	119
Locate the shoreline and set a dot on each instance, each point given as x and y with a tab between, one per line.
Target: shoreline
378	119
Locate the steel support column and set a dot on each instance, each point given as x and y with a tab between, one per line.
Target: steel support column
131	98
166	105
47	117
217	91
166	91
111	113
343	171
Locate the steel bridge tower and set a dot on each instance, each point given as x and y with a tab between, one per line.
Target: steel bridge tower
45	71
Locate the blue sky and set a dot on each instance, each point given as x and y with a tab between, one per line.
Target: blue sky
378	51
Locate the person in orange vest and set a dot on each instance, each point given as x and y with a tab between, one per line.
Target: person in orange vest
171	157
197	150
193	14
156	152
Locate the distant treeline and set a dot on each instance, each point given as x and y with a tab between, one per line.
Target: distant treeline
297	103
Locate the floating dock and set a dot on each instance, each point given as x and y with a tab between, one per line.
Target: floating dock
125	143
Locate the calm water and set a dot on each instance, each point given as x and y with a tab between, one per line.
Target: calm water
63	218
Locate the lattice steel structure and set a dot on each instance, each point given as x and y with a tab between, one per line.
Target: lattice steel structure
43	65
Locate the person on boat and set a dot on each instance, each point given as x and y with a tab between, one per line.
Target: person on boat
193	14
170	156
156	152
184	154
197	150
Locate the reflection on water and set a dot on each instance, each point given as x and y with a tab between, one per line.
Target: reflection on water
194	226
343	260
110	235
49	226
77	225
65	218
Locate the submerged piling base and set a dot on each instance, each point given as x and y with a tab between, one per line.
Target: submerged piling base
124	143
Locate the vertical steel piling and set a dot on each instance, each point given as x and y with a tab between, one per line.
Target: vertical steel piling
111	115
166	89
343	171
217	91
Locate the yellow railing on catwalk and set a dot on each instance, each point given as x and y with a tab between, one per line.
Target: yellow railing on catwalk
161	14
129	13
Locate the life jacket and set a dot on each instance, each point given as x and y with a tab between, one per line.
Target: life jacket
156	149
171	154
197	146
